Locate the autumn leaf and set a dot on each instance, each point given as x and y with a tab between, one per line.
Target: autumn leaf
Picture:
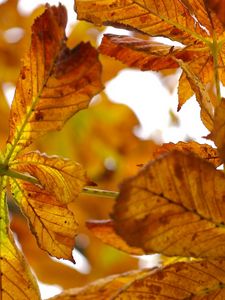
104	230
17	281
174	206
62	178
204	151
195	280
54	83
189	22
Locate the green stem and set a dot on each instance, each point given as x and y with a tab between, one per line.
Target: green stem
4	171
99	192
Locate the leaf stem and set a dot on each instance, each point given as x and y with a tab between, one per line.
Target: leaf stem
99	192
4	171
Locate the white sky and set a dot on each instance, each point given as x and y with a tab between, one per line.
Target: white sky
145	94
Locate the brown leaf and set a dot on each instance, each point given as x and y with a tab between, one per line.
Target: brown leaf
180	281
174	206
202	150
54	83
104	230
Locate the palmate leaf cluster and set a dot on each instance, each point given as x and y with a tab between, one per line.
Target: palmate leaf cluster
174	205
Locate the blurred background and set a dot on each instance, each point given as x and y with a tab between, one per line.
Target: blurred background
119	132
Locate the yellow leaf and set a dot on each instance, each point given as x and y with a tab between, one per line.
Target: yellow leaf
17	281
62	178
202	150
104	230
174	206
52	223
54	83
181	281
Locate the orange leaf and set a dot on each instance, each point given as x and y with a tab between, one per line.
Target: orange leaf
174	206
54	83
52	223
104	230
202	150
196	280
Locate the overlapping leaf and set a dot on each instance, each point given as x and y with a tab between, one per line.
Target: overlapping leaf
191	23
174	206
54	83
104	230
16	280
181	281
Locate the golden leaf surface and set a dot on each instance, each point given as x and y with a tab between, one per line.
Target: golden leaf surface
63	178
174	206
54	83
50	220
203	280
104	230
16	279
204	151
191	23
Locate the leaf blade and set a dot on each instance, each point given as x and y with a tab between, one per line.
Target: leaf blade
16	279
55	82
167	209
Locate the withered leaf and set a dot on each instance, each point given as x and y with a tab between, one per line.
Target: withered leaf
54	83
17	281
204	151
180	281
174	206
104	230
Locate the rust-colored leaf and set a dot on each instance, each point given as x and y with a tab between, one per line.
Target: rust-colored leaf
174	206
54	83
181	281
104	230
204	151
52	223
